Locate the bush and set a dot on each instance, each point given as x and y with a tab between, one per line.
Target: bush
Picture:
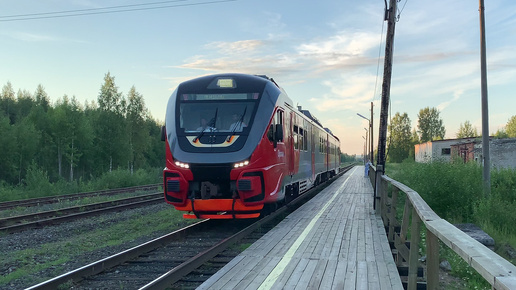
450	189
37	182
124	178
497	211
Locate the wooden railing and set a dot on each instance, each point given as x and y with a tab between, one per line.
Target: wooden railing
500	273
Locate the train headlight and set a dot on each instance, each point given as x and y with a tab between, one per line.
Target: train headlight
241	164
182	165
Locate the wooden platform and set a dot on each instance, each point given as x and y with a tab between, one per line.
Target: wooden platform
335	241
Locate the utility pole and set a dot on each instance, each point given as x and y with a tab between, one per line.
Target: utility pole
371	135
485	112
390	16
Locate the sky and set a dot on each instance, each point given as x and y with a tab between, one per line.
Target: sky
327	55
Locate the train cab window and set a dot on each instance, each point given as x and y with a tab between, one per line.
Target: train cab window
230	113
276	120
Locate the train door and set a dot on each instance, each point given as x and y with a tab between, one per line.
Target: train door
290	149
312	149
327	152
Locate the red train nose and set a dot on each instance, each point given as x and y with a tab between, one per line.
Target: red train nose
176	189
250	188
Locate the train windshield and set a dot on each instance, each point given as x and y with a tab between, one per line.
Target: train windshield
226	113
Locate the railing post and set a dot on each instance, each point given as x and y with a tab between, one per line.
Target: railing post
414	250
392	214
432	261
384	199
399	243
378	177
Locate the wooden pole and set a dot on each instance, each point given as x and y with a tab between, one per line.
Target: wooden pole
485	111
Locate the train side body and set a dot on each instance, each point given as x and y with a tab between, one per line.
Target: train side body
235	143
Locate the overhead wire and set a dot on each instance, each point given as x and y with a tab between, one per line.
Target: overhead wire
111	9
400	11
378	63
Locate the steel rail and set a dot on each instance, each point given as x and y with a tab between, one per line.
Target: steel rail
114	260
58	198
61	215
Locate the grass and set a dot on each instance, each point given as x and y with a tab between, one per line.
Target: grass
454	191
54	255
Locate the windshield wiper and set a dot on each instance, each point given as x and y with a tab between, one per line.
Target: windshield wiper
237	123
211	124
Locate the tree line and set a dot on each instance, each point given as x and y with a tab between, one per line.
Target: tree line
71	141
401	138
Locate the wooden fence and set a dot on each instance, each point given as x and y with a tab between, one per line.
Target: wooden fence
500	273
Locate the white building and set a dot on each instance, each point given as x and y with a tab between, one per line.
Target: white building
439	150
502	152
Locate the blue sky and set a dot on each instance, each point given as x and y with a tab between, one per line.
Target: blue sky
323	53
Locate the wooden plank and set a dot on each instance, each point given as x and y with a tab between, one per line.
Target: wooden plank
369	239
307	275
317	275
286	274
255	278
373	275
341	274
361	275
297	274
228	274
432	261
414	250
505	283
360	241
350	277
329	274
214	279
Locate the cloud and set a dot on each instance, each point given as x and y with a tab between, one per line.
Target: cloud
347	92
237	47
456	96
30	37
343	50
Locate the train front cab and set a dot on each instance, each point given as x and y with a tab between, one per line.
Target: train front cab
252	184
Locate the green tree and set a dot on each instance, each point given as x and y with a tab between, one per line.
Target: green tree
139	138
110	124
7	151
39	116
7	102
467	130
510	128
27	142
501	133
156	154
72	133
400	138
430	125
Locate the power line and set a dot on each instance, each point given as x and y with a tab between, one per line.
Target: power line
400	11
378	64
96	11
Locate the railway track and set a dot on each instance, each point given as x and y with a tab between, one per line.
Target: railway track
40	219
55	199
172	260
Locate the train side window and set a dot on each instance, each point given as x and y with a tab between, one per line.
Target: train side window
296	137
301	139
